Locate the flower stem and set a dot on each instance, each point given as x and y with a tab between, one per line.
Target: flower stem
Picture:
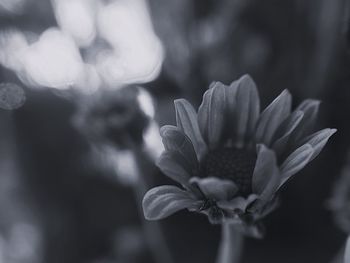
231	245
347	250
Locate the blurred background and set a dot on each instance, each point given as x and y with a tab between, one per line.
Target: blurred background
85	85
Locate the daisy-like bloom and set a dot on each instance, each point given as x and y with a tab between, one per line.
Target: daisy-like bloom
230	158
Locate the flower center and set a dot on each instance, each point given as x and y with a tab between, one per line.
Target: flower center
231	163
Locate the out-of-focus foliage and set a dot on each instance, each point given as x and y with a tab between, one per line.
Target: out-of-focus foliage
272	41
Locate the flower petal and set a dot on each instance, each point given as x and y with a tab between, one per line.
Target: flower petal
186	119
310	108
216	188
266	177
265	167
272	117
175	166
244	105
285	130
211	115
163	201
318	140
296	161
175	140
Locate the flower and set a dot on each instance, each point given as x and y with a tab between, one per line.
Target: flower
230	159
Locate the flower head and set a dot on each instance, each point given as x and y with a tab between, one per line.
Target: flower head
230	158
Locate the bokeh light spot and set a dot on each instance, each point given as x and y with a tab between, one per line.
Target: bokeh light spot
12	96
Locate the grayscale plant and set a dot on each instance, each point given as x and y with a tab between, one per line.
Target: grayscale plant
231	159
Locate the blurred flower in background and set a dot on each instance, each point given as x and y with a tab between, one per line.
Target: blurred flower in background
95	54
12	6
125	138
136	55
52	61
77	18
71	55
113	117
118	123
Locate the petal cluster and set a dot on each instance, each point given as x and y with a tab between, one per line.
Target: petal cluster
230	117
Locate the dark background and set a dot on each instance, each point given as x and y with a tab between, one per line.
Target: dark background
299	45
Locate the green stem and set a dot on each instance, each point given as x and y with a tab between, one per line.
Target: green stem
231	245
